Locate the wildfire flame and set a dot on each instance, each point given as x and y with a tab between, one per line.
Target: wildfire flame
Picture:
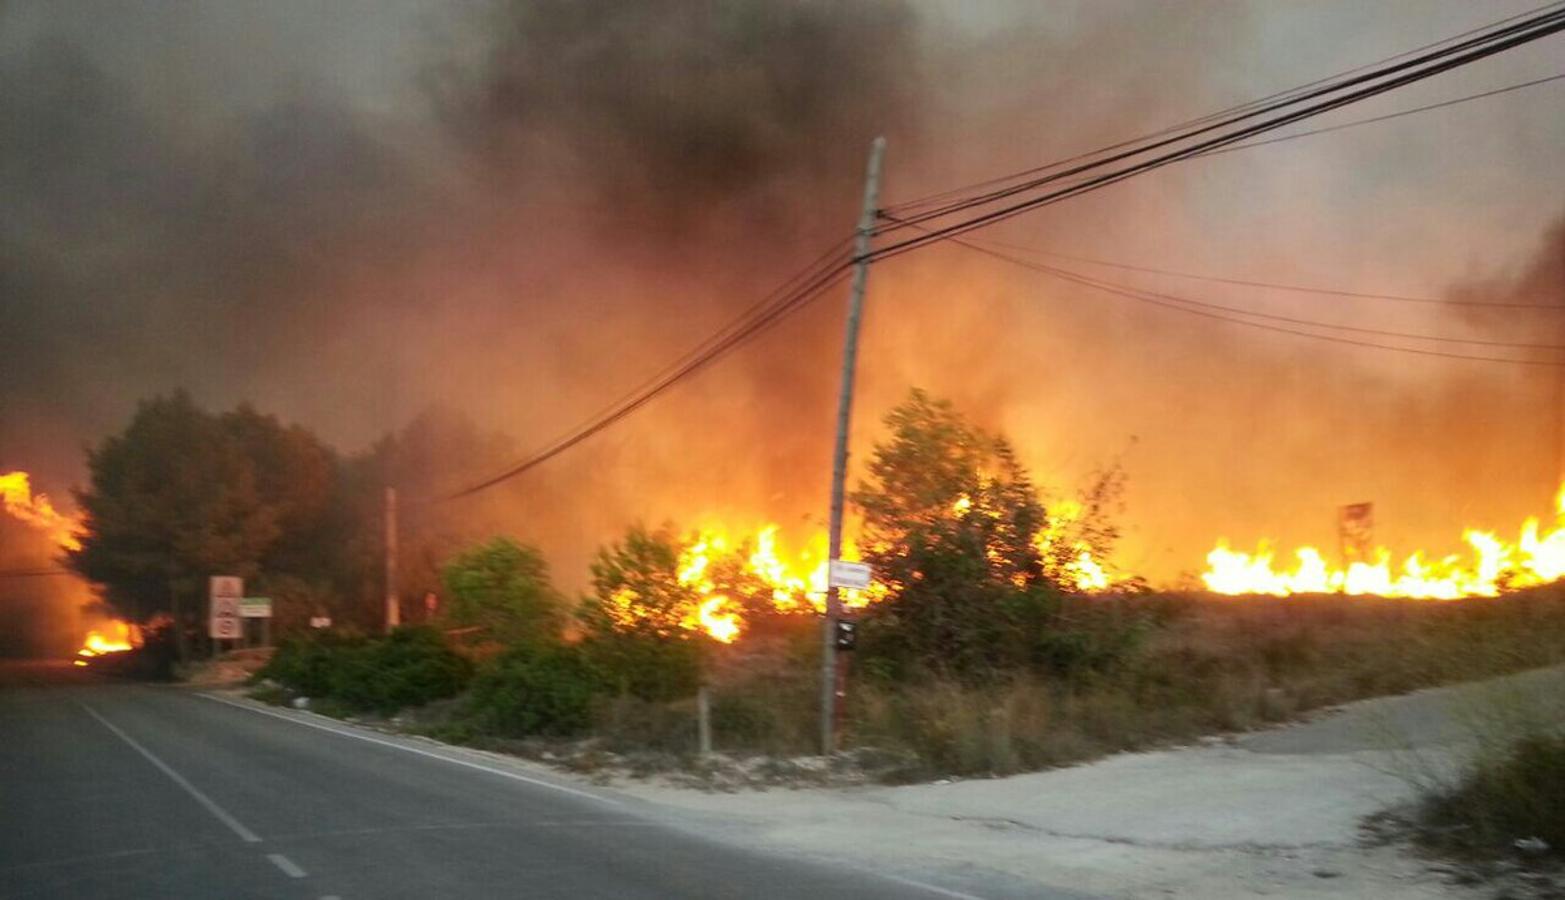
18	499
1493	565
116	637
793	583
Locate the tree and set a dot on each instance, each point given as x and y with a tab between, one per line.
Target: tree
182	494
503	587
638	616
637	588
950	526
172	500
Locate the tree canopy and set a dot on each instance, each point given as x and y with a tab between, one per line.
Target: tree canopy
950	521
502	587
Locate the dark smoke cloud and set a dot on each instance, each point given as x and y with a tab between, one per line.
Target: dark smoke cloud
669	107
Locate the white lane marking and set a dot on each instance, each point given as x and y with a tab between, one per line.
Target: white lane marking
925	886
396	746
221	814
289	867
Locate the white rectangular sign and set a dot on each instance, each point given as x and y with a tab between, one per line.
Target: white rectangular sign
844	574
255	608
225	592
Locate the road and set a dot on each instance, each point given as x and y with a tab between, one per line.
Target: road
123	790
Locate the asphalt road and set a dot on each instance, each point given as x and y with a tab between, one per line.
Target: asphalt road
122	790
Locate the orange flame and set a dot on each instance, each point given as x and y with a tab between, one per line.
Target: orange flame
18	499
116	637
796	582
1494	565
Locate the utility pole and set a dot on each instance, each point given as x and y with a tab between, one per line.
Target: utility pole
393	608
839	458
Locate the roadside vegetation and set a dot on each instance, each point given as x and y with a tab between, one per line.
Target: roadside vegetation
1488	808
978	660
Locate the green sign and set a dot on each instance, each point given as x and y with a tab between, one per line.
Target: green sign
255	608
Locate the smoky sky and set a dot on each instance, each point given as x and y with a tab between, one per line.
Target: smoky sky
348	212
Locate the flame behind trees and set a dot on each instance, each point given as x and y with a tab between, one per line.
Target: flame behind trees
972	563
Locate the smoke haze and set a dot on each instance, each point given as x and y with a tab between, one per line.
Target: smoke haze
347	212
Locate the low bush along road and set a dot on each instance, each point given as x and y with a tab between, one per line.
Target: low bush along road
119	790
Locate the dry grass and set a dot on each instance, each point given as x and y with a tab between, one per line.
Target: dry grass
1207	666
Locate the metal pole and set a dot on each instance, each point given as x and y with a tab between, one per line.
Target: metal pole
393	608
704	720
839	458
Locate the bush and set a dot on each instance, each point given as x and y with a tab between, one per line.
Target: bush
410	667
647	667
305	664
1514	794
535	689
503	588
778	715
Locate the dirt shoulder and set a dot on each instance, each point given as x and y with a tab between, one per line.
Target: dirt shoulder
1276	812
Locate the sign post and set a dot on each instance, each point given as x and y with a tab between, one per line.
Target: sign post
225	593
259	608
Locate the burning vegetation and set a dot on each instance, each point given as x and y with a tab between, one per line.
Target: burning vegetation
64	533
1493	566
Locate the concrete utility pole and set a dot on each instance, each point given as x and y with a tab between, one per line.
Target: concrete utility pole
393	607
839	458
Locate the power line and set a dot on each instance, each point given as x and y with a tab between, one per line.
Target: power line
1434	63
1274	285
1388	116
1536	29
827	272
807	286
1199	308
1252	104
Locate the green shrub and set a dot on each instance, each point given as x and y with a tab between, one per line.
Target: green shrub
305	664
535	689
409	667
647	667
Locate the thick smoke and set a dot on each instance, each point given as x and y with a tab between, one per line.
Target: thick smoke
518	210
668	112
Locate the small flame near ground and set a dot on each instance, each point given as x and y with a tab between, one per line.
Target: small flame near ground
114	637
1491	566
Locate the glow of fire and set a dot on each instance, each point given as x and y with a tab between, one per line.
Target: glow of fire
1494	565
18	499
797	581
115	637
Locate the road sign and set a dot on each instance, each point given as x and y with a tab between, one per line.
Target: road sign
227	627
255	608
851	575
225	592
227	586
